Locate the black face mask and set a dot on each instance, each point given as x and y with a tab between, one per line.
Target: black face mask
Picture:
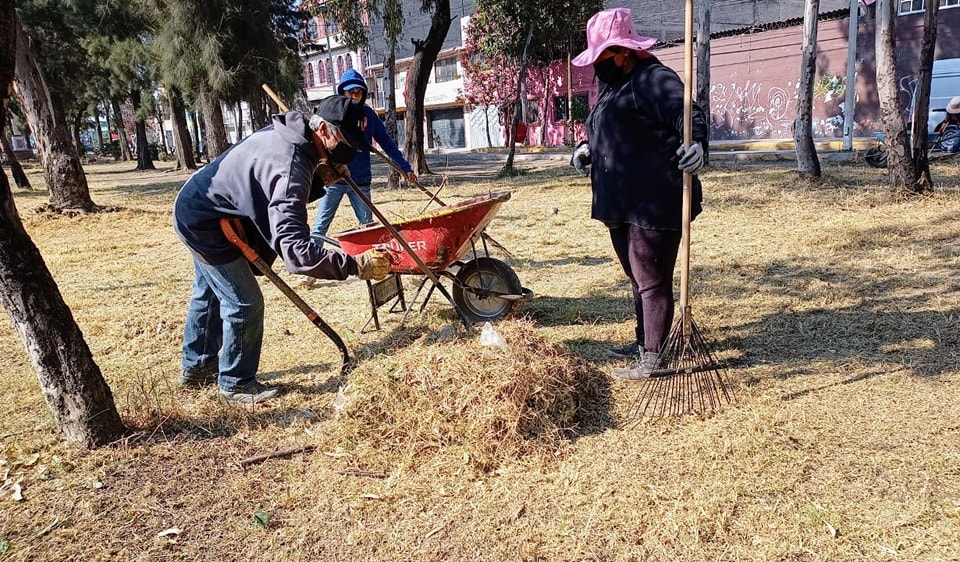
341	154
608	72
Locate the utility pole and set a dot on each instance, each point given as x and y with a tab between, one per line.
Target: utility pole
851	87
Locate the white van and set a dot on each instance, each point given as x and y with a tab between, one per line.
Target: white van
944	86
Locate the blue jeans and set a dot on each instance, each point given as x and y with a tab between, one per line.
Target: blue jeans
225	320
327	208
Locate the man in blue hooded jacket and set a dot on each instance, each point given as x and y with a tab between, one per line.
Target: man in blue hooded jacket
353	86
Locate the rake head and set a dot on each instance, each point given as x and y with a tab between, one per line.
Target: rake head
687	380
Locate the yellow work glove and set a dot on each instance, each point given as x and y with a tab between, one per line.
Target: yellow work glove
373	264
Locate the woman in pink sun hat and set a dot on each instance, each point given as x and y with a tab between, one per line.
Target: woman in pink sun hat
637	161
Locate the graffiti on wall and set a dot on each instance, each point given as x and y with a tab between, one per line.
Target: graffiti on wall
751	111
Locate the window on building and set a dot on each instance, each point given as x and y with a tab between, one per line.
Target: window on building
561	112
445	70
322	72
915	6
363	60
308	75
312	29
349	61
381	94
340	65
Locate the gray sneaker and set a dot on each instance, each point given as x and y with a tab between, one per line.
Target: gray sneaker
188	378
642	369
629	351
253	393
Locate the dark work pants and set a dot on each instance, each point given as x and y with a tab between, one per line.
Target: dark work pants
648	258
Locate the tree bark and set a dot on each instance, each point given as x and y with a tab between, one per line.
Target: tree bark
181	137
62	170
424	55
703	64
921	106
507	169
215	132
72	383
96	117
122	138
144	161
808	164
77	141
196	137
390	101
16	169
259	116
900	172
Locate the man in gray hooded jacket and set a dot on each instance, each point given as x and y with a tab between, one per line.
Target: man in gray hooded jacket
266	181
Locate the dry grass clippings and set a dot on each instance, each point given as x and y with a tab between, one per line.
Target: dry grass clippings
835	306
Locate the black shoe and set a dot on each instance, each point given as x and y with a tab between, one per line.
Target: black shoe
628	351
253	393
188	378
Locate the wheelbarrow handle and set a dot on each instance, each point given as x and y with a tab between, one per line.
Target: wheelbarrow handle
233	230
389	226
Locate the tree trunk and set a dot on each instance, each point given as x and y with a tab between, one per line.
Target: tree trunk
390	101
16	169
900	171
71	382
703	64
144	161
486	122
121	130
197	153
507	169
921	105
163	132
259	116
546	104
181	137
424	55
808	164
215	132
62	170
239	121
77	141
96	117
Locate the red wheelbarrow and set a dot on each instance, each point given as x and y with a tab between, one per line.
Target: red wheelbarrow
484	288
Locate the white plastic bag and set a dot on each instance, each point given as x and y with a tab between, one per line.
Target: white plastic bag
490	338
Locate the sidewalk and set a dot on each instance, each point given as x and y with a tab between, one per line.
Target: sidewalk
774	150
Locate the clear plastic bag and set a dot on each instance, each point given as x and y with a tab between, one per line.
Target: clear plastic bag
490	338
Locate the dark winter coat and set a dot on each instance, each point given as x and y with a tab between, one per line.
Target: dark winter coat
265	180
634	132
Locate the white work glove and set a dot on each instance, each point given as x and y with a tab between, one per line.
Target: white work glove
581	158
373	264
691	159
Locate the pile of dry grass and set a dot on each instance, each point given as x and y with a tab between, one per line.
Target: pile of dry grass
463	402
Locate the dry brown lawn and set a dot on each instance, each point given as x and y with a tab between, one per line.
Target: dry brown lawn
837	306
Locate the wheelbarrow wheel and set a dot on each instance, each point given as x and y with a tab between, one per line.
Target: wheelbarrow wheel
477	285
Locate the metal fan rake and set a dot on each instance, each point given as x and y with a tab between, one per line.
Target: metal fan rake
688	379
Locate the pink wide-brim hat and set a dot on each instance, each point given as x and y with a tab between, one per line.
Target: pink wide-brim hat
953	108
609	28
